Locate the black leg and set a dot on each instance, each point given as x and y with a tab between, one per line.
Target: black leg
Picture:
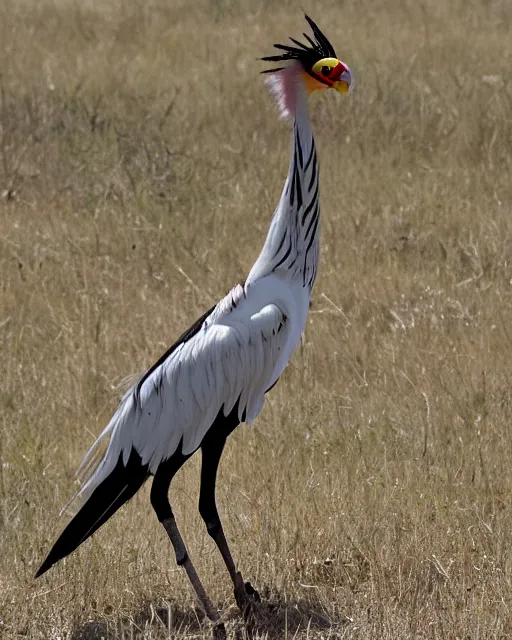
212	448
162	507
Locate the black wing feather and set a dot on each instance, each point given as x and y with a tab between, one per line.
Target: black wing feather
117	488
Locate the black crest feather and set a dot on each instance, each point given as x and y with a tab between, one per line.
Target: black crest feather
306	54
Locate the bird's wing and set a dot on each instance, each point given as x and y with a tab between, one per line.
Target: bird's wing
222	365
229	356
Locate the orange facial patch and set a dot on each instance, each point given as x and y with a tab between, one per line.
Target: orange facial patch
315	80
312	82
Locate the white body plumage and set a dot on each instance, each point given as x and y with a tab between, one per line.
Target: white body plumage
238	353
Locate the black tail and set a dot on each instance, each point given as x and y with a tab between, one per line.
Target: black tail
122	483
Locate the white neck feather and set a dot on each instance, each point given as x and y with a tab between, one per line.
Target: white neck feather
291	246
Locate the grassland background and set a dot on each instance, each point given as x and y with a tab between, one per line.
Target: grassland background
140	161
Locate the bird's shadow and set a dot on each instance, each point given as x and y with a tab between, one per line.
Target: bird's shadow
148	621
277	617
273	618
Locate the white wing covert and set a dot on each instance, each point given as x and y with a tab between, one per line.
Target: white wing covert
234	356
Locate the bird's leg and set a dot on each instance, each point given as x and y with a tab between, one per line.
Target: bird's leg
162	507
245	595
183	560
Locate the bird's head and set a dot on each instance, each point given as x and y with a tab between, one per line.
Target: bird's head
316	62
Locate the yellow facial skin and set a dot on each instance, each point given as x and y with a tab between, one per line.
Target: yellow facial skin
325	62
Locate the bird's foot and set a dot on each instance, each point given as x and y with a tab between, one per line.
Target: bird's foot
219	631
246	597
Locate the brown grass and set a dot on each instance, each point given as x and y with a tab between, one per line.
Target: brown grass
140	161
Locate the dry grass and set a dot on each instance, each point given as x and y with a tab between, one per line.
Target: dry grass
140	160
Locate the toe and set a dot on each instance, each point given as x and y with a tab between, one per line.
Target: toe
219	632
252	593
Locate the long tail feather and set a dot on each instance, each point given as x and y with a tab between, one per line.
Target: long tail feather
116	489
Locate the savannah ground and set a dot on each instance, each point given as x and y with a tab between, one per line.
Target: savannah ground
140	161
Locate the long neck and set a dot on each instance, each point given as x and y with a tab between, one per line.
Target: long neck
291	247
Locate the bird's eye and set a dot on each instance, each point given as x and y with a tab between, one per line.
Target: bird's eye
326	71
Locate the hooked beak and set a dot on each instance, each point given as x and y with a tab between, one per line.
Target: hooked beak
343	84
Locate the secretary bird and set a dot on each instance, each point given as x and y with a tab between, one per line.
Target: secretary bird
216	375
